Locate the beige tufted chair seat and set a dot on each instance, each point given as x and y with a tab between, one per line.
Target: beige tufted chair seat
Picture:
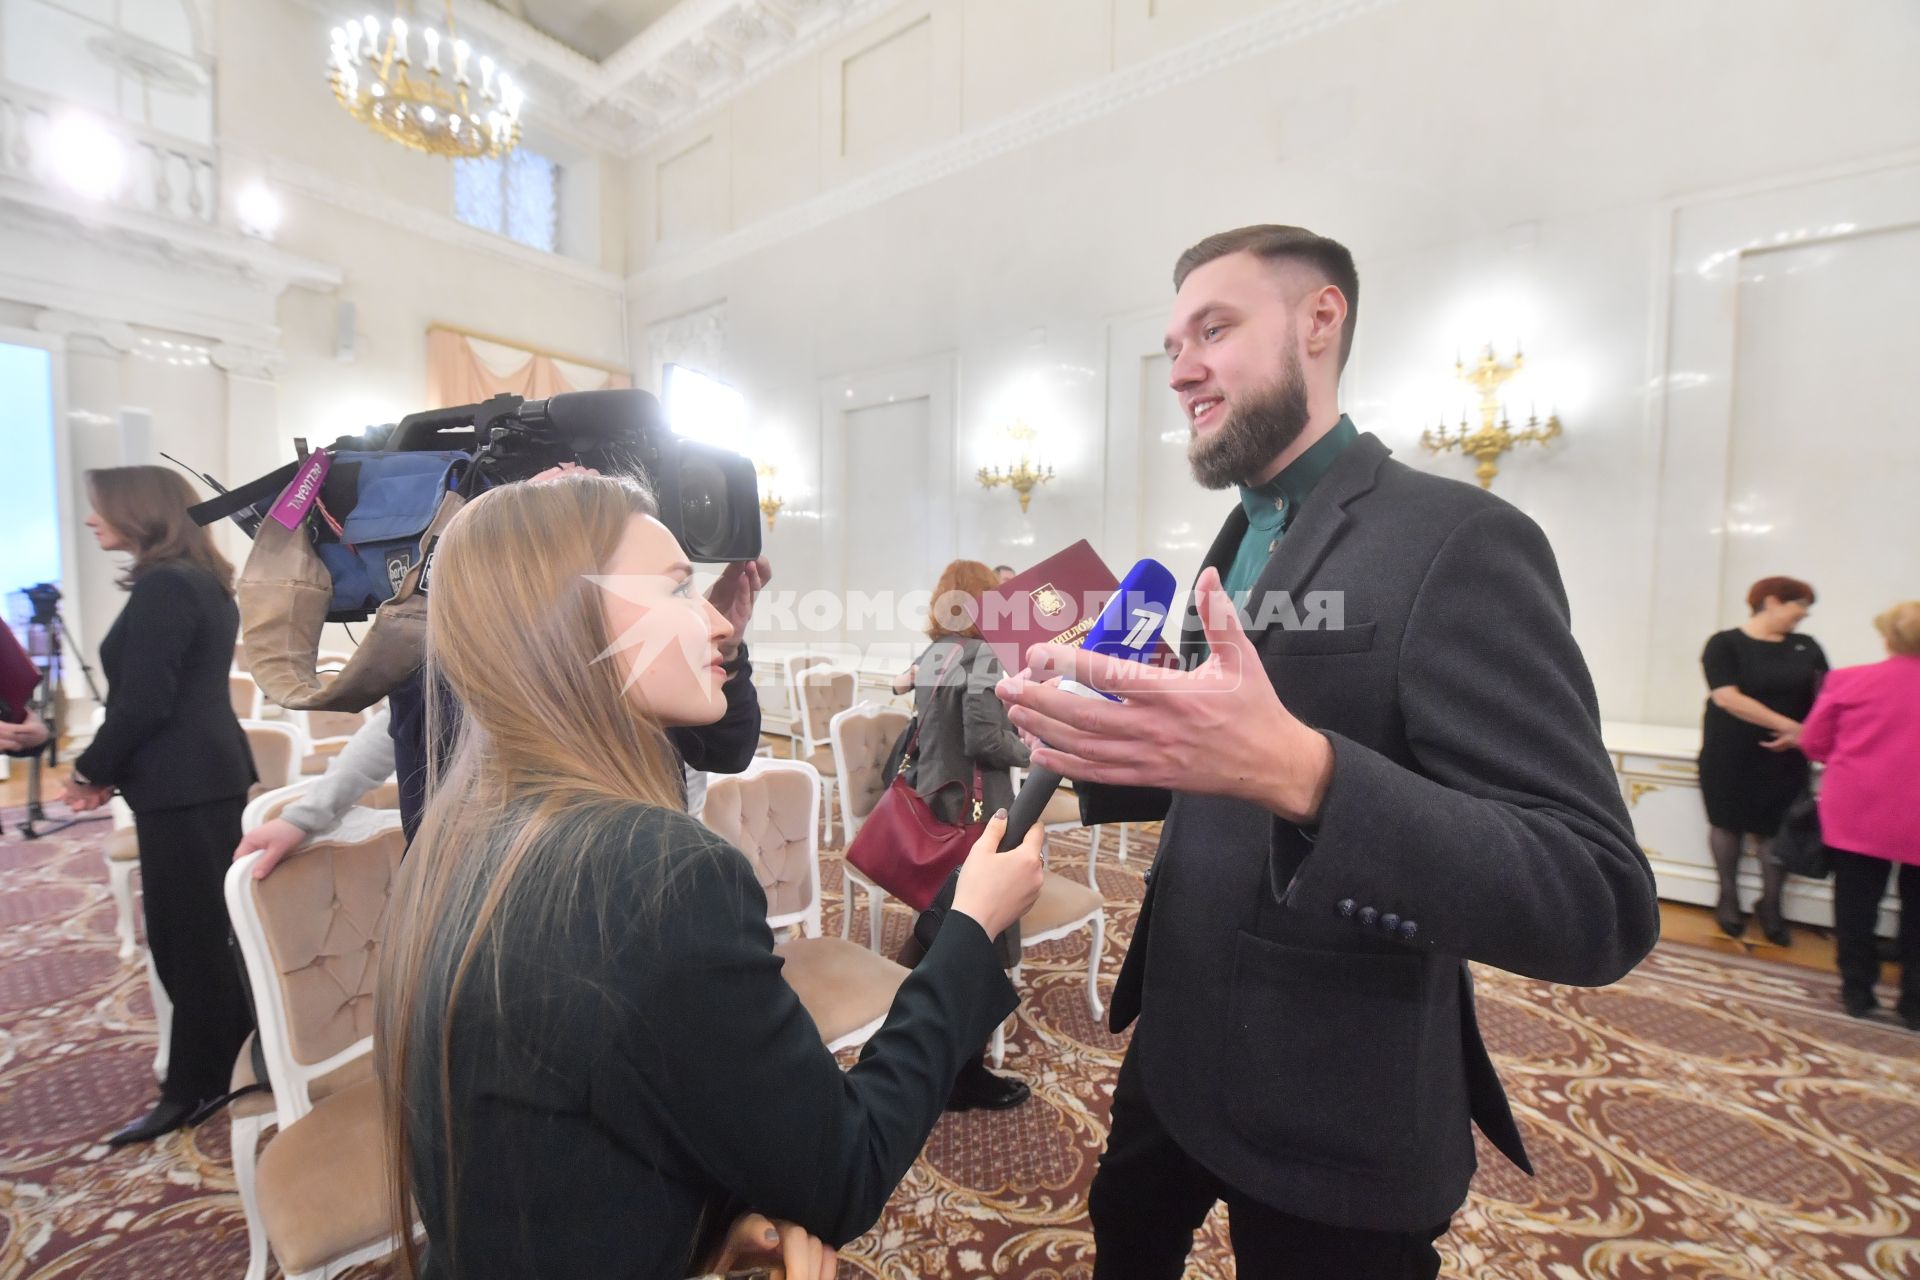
767	816
846	989
323	1182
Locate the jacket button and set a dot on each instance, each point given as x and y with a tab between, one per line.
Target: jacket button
1346	907
1368	915
1407	929
1389	922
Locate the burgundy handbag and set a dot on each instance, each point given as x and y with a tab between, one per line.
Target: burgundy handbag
903	848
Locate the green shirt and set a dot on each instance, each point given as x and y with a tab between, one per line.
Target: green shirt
1270	508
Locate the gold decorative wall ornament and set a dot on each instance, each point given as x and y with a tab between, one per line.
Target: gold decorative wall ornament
1495	435
1022	477
770	502
432	105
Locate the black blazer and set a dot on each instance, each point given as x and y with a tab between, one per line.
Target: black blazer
652	1074
170	738
1306	1025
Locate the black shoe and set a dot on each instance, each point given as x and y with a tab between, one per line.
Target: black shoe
1773	926
1730	919
980	1089
1858	1006
166	1116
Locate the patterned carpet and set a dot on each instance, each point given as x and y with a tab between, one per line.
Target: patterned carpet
1708	1118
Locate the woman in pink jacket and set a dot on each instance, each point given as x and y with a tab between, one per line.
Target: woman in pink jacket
1866	726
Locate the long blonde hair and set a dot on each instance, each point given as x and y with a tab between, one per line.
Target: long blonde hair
515	636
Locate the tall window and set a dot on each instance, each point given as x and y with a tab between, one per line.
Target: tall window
515	195
30	552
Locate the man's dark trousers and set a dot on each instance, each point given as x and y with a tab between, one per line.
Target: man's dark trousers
1149	1197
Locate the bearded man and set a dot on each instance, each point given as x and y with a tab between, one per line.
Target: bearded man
1395	769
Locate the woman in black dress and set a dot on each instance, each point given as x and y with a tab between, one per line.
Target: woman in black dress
171	746
590	1061
1761	681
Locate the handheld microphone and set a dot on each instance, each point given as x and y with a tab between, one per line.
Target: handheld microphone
1128	628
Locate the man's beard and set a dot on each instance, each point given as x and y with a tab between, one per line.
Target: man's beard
1253	435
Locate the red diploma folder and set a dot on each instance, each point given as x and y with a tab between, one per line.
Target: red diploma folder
18	677
1055	602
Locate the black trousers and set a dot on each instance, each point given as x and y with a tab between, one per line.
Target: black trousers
1149	1197
1859	882
184	855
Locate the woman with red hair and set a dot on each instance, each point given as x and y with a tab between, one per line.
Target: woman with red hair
1761	682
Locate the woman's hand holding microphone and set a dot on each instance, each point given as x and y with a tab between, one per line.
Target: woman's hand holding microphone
995	888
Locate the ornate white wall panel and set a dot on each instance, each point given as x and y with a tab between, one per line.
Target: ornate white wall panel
1859	215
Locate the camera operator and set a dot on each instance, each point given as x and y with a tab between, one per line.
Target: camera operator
171	746
394	743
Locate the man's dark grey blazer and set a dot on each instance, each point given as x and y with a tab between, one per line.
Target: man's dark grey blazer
1306	1026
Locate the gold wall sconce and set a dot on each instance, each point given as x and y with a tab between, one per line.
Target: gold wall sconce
770	502
1022	477
1496	434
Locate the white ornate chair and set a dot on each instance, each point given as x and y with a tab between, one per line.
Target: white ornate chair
861	738
790	668
311	935
823	693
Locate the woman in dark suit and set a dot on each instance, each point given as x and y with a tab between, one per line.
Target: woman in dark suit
964	733
1761	682
589	1059
171	746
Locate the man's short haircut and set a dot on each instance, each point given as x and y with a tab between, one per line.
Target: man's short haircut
1285	244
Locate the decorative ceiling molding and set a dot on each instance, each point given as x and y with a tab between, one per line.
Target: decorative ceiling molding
444	228
1279	25
263	364
168	241
109	336
718	49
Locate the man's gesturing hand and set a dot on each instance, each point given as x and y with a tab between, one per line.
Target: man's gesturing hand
1217	730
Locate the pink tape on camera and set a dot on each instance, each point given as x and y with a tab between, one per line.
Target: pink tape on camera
298	497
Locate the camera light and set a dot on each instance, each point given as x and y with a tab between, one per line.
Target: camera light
704	408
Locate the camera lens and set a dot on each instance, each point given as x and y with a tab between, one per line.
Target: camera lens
705	514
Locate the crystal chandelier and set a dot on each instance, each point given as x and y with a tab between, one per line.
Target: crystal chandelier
434	105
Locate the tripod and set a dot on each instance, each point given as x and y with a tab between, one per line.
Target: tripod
47	707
